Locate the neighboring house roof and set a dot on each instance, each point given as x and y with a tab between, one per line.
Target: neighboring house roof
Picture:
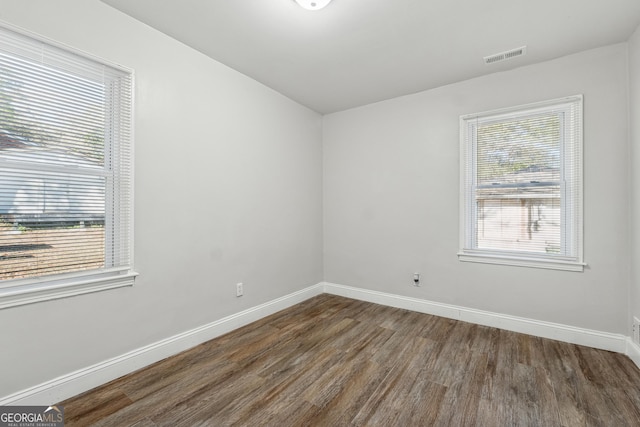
11	140
531	182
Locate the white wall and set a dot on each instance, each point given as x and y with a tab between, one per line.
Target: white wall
634	126
228	189
391	196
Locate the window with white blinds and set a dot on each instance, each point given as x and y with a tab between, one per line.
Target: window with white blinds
65	171
522	185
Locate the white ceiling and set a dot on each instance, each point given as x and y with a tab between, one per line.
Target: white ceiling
355	52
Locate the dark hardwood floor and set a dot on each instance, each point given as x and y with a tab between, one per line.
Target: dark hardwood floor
332	361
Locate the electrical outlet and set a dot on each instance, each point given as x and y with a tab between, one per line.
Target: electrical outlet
416	279
636	330
239	289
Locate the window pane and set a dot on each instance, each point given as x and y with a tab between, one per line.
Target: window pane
37	249
518	184
523	150
50	223
531	225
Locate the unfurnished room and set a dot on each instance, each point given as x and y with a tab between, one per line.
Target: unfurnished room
319	213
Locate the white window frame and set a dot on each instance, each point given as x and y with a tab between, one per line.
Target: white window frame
16	292
571	256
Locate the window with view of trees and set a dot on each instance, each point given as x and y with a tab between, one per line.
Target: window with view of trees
522	185
65	171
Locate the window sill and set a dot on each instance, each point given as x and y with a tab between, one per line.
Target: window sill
518	261
39	291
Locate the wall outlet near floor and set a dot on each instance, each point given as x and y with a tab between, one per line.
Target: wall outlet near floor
636	330
416	279
239	289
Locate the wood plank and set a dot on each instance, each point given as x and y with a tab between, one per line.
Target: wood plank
359	384
95	406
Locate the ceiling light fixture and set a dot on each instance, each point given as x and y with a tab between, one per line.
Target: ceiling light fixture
313	4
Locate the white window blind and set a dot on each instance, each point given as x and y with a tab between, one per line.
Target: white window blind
522	185
65	171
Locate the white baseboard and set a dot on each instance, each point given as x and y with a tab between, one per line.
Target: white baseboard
633	351
77	382
571	334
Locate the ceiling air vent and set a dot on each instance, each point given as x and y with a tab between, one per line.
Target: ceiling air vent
503	56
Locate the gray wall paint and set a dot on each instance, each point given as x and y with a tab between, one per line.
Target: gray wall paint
634	126
391	195
228	189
